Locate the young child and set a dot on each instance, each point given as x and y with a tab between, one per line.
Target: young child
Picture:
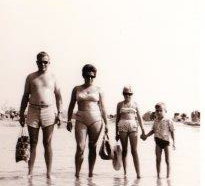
162	128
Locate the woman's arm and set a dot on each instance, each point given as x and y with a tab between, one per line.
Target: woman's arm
103	111
70	109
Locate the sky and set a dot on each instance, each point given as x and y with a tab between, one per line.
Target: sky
154	46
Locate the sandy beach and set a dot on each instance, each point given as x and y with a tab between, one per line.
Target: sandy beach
185	161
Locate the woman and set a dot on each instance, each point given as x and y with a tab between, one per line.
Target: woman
127	120
89	117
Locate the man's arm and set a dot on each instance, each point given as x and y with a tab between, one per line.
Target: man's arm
24	101
59	102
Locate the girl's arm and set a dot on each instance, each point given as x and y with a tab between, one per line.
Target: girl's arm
103	111
70	109
140	121
117	120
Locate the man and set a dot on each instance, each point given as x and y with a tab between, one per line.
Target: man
41	92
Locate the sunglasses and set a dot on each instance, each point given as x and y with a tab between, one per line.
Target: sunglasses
43	62
127	94
88	76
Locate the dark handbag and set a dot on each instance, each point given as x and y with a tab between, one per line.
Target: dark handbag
106	151
23	147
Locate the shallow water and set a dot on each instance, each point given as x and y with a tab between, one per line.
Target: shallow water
184	161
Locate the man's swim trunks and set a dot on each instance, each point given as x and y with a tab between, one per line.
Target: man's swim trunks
40	116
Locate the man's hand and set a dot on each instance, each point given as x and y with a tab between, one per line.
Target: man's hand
58	120
69	126
22	120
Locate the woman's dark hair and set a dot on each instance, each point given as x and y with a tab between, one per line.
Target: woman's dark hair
88	68
40	55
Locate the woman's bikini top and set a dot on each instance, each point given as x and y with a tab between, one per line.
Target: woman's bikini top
84	96
130	109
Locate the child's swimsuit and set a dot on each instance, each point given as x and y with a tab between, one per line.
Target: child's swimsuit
161	143
162	129
88	117
125	125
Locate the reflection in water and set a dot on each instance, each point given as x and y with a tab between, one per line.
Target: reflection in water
77	182
160	182
120	181
169	183
91	183
136	182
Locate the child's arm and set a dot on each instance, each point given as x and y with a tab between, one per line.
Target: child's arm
172	135
150	133
145	136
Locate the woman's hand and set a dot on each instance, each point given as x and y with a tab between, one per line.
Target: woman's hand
69	126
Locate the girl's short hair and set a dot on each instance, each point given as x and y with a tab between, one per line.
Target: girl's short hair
87	69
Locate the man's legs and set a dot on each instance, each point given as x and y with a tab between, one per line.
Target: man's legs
33	134
47	136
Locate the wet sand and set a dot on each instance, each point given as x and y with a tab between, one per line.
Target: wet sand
185	161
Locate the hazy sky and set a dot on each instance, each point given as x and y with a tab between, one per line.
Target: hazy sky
152	45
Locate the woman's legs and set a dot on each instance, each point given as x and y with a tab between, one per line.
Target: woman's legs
124	139
166	151
158	152
133	145
80	136
93	134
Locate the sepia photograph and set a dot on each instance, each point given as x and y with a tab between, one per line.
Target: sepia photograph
101	92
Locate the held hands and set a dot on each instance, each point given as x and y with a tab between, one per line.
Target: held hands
143	136
22	120
69	126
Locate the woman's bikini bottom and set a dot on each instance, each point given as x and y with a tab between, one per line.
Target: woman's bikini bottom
88	118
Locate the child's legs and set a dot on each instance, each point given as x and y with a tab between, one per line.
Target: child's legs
166	151
158	152
124	140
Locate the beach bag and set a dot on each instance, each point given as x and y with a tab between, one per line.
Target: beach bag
117	160
106	151
23	147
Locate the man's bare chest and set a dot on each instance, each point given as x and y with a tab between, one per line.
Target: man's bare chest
42	82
